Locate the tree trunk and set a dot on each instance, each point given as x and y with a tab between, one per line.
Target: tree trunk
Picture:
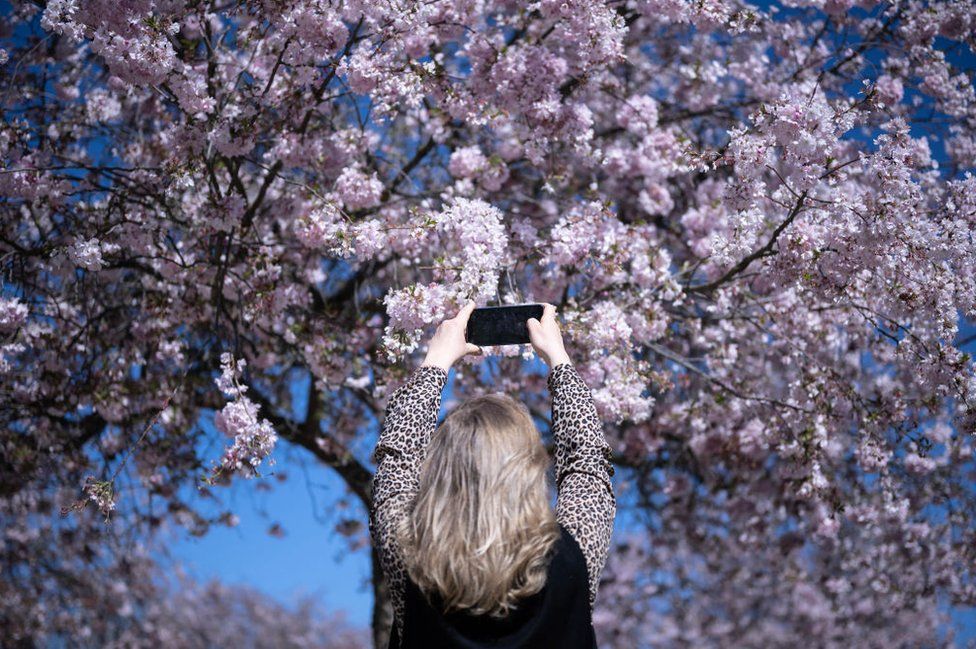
382	606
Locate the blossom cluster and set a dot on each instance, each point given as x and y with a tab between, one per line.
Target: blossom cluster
254	439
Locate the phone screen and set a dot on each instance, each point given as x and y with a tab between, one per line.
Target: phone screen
501	325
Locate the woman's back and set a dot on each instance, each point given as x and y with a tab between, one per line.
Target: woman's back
557	616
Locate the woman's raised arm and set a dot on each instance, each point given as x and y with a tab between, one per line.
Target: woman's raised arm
586	505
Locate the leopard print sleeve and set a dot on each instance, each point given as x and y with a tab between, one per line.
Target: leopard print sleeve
585	504
410	418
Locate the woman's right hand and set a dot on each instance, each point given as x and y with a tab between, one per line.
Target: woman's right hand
546	339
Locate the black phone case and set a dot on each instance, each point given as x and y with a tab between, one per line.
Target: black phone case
501	325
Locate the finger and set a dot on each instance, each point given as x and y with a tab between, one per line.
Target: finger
471	348
462	315
549	311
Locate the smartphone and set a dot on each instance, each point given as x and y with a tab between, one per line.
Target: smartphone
501	325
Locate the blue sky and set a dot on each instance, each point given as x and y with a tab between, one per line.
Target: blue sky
309	559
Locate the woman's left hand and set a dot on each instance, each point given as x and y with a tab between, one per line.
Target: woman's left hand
448	343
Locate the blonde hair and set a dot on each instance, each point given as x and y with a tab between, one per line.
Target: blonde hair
482	527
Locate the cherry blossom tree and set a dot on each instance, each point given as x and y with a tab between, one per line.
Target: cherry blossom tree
237	222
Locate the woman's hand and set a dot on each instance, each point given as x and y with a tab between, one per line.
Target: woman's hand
546	338
448	343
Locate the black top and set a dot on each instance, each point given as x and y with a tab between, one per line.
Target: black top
557	616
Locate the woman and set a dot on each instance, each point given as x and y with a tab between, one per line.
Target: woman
472	550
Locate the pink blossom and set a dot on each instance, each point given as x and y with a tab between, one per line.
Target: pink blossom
254	439
411	309
918	465
358	190
639	114
231	138
603	325
890	89
323	227
656	199
13	314
474	245
102	106
467	162
86	253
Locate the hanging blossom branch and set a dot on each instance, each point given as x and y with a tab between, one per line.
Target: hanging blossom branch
253	439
